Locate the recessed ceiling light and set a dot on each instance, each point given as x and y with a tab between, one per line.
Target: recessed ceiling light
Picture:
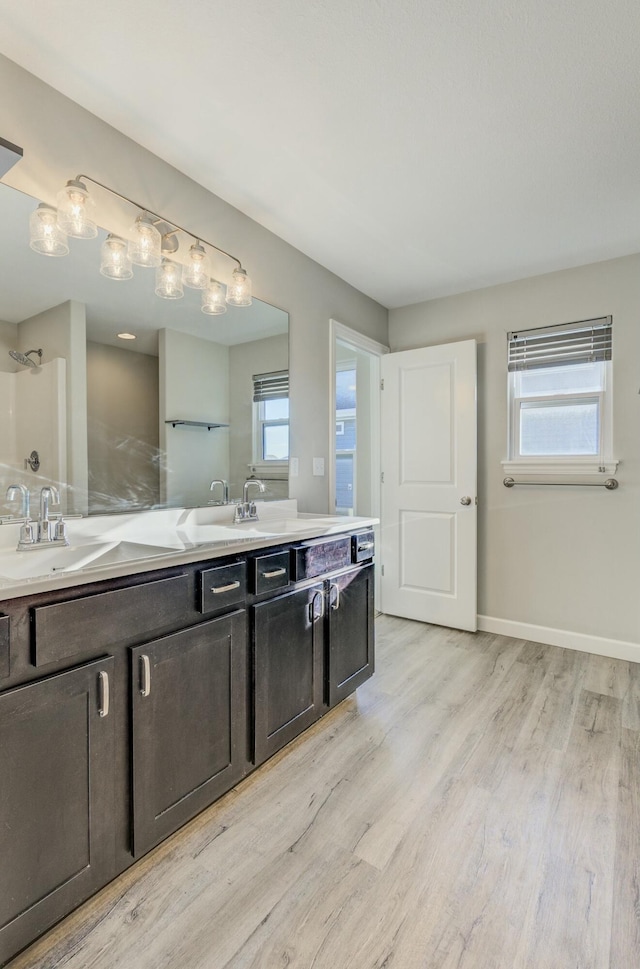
127	336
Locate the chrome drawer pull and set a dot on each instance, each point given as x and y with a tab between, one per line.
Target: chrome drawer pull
103	703
217	589
365	546
272	575
335	604
145	676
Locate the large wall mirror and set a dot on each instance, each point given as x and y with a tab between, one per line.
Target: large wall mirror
121	424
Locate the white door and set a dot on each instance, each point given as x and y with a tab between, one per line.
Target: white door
429	484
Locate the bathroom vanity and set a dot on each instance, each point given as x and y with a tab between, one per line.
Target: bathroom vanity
134	691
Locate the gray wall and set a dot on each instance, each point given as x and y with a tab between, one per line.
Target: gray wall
565	558
61	139
245	360
122	421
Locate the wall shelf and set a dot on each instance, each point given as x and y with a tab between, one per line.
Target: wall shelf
208	424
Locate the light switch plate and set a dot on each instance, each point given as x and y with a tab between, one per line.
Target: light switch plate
293	468
318	467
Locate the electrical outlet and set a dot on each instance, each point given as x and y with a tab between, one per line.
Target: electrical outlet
318	467
293	468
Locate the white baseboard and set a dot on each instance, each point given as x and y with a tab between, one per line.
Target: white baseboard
615	648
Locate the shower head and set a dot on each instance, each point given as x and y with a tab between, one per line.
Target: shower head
25	358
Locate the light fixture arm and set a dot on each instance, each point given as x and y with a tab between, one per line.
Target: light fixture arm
160	218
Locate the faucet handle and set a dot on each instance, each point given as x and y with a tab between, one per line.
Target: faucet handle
60	533
26	534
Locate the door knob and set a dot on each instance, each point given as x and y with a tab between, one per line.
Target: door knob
466	500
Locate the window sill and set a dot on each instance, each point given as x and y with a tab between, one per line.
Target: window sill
273	470
560	466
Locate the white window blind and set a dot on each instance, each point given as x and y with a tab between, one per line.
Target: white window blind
269	386
587	341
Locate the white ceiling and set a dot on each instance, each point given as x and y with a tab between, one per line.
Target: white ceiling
414	147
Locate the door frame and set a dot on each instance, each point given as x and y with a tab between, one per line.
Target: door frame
339	331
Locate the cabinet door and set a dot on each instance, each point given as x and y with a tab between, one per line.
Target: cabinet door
351	636
190	730
56	799
288	659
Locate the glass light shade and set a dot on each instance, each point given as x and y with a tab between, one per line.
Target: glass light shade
114	259
144	243
239	289
169	280
75	211
196	272
213	299
45	235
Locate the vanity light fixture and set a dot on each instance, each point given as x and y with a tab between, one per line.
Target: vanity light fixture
75	208
152	239
239	289
169	280
45	235
145	243
213	301
114	258
196	274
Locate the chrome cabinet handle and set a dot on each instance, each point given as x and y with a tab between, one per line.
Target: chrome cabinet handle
103	687
145	676
335	603
217	589
313	615
365	546
466	500
274	573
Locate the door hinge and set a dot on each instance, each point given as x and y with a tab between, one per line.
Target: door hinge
382	477
382	570
382	384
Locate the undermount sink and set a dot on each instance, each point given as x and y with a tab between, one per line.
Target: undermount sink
288	526
195	533
205	534
71	558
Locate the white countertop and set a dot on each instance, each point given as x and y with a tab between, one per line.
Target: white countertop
107	546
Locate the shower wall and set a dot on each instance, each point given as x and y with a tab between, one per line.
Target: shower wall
33	416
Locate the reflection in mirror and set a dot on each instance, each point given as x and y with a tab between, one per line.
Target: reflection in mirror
119	423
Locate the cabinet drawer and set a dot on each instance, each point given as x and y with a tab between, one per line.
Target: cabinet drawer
223	586
363	546
100	621
310	559
4	646
270	572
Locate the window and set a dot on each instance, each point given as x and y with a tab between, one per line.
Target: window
271	417
560	397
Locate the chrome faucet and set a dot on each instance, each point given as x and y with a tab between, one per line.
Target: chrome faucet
225	489
13	491
47	494
246	510
44	533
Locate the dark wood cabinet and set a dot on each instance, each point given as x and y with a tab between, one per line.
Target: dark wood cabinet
350	632
56	798
213	666
190	731
288	640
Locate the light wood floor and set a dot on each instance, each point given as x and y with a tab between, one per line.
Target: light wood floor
477	806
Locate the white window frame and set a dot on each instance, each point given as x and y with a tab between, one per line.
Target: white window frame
259	423
262	466
568	464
